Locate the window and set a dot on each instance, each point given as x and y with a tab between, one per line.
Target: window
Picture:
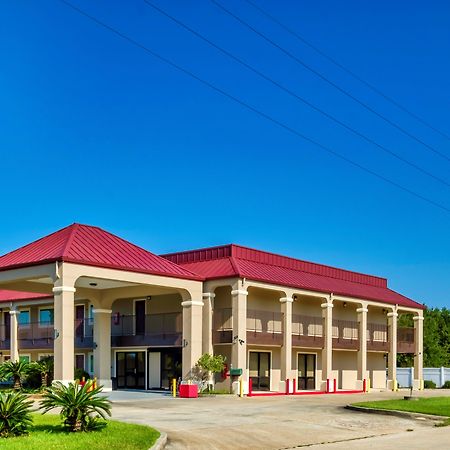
46	316
91	363
24	358
24	317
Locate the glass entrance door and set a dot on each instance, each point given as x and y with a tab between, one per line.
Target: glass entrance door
130	370
259	366
306	372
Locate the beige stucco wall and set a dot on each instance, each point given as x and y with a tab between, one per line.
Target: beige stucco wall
264	300
222	297
308	306
376	365
157	304
345	368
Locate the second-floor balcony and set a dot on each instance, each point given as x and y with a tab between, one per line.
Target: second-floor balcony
40	335
165	329
307	331
266	328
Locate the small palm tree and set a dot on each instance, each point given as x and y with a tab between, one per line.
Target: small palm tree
78	405
17	370
15	414
45	368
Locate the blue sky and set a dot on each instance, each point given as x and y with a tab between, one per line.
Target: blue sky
94	130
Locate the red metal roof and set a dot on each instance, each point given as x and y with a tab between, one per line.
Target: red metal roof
237	261
92	246
12	296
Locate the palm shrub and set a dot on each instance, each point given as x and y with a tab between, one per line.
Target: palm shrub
17	370
15	414
81	406
45	369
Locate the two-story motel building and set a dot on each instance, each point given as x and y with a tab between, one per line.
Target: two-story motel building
136	320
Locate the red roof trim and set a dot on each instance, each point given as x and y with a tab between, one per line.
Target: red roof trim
7	295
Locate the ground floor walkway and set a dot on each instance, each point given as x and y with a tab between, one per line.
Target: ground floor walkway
229	422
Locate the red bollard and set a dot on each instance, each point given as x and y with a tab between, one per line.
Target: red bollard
334	385
287	386
250	387
364	385
294	385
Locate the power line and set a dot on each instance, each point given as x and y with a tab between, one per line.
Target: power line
295	95
347	70
327	80
252	108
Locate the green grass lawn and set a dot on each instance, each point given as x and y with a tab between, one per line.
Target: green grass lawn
437	406
48	434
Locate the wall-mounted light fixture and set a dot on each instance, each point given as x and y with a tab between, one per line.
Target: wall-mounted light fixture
55	334
93	284
344	304
149	297
94	345
236	340
185	343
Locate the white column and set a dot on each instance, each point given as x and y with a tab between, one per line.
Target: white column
362	352
192	334
102	347
64	354
418	352
392	357
286	349
208	307
239	313
327	351
14	338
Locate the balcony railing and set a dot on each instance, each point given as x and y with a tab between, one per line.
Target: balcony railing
222	326
153	330
405	340
41	334
345	334
377	337
307	331
264	327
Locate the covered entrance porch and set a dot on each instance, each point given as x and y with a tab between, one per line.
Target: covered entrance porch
81	263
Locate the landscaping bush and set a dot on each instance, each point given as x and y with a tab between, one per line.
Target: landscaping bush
45	369
17	370
446	385
80	374
81	406
428	384
15	414
208	365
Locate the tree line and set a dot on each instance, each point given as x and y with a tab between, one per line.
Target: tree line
436	338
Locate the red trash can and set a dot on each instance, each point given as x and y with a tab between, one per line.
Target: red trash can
188	391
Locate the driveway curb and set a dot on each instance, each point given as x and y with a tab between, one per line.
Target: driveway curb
160	442
394	412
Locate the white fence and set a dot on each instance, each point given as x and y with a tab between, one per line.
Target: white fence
438	375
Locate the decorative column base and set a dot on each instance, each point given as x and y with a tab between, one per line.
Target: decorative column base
107	385
392	385
417	385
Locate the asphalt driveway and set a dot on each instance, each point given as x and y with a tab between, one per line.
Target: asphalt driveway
229	422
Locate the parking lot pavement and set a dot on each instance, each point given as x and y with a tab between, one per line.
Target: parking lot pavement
437	438
229	422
